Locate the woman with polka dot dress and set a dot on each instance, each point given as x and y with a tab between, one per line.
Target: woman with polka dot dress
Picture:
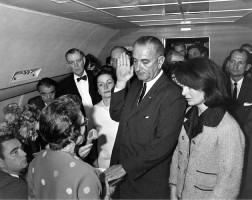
56	172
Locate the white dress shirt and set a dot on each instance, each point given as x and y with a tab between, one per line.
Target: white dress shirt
83	88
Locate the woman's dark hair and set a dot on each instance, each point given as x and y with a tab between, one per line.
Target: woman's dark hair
106	70
203	74
60	121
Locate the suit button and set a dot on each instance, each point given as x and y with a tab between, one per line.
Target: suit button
183	137
193	141
180	152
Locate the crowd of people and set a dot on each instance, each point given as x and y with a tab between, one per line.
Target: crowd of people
169	124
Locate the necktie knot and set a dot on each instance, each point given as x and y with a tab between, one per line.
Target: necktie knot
82	78
142	93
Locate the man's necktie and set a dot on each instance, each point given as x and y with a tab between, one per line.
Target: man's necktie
82	78
235	91
142	93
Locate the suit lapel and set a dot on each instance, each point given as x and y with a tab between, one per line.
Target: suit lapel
244	90
72	86
152	93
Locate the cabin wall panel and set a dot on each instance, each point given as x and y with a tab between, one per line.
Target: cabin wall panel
30	40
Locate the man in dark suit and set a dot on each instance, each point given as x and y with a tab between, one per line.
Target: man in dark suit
150	112
12	163
81	82
47	89
240	90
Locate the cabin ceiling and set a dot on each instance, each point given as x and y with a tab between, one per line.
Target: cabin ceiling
123	14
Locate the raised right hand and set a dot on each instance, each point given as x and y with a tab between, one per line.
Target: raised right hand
124	71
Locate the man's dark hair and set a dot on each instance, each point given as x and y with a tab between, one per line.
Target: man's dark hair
60	121
203	74
73	51
4	138
106	70
48	82
245	45
144	40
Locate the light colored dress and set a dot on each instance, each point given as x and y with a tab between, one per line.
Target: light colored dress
61	175
107	130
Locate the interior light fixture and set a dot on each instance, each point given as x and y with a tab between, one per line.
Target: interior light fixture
216	22
60	1
186	29
144	5
206	1
185	22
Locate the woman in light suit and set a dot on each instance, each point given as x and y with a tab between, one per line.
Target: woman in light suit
208	160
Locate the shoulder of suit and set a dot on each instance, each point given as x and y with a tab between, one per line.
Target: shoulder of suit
37	98
67	79
7	179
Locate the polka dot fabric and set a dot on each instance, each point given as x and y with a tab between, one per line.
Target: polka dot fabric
60	175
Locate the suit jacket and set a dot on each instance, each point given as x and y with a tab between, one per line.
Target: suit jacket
12	187
243	114
215	161
37	101
147	136
68	86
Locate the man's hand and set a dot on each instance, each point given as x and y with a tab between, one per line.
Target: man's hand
85	150
114	172
124	71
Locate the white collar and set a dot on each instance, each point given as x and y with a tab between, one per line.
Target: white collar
149	84
238	82
75	76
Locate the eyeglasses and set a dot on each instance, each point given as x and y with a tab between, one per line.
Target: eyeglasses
236	63
48	94
85	123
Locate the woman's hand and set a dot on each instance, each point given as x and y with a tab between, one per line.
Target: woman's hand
124	71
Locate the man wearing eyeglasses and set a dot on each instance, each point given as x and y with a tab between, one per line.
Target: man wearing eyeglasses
47	89
240	90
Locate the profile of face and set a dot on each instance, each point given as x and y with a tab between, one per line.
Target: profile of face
194	53
76	62
81	138
114	56
180	49
47	93
14	157
237	65
147	63
105	83
193	97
